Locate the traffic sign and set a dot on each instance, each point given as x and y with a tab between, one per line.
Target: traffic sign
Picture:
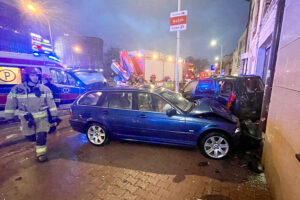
212	68
178	20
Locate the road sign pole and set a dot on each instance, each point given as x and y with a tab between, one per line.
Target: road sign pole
178	52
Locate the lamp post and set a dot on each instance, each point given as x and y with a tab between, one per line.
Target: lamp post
215	43
34	9
77	50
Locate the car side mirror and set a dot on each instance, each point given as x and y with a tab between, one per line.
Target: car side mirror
171	112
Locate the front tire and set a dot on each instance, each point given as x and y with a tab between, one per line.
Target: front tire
215	145
97	134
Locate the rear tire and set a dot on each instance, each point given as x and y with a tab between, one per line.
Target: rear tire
215	145
97	134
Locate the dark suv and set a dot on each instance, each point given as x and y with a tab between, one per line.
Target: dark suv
248	91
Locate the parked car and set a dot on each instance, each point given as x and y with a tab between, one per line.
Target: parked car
156	116
248	91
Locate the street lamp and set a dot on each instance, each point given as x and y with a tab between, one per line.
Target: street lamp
216	58
77	49
35	10
215	43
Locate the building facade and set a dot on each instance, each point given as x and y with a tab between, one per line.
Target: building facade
227	64
80	51
281	138
14	34
238	61
259	41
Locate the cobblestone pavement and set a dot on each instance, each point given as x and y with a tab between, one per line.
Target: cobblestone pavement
120	170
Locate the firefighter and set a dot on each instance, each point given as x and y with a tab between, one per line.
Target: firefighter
168	83
153	79
32	102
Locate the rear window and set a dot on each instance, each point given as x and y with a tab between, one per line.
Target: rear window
90	99
205	86
254	85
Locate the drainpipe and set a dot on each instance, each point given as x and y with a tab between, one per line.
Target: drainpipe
272	64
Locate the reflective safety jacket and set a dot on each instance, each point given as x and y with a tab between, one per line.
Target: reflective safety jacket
21	101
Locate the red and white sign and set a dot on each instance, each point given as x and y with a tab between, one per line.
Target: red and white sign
178	20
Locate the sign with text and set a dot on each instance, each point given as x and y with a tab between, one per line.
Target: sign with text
178	20
10	75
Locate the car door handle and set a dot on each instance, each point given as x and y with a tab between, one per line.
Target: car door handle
142	116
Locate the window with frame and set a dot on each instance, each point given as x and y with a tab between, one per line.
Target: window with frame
191	86
144	102
254	85
120	100
226	88
159	104
90	99
71	80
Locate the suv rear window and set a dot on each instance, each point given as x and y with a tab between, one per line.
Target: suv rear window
254	85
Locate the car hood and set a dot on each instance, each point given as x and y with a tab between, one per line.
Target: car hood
206	105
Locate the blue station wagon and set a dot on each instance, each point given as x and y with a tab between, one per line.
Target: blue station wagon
157	116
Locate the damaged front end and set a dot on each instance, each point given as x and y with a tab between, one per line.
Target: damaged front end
251	129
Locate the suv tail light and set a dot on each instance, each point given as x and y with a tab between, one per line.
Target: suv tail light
71	113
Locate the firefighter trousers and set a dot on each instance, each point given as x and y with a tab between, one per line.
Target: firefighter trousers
39	132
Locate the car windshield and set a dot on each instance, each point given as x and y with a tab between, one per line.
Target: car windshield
177	100
90	77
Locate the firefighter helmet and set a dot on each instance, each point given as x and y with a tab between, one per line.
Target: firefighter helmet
153	76
31	70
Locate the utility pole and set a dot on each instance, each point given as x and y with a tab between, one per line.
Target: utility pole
178	53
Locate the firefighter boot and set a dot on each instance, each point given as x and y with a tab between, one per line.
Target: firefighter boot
41	148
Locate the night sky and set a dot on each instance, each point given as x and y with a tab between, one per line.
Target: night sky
144	24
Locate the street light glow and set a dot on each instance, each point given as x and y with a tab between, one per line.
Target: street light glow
31	7
139	55
77	49
154	56
216	58
213	43
170	59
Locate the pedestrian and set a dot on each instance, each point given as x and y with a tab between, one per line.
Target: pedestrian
30	100
48	81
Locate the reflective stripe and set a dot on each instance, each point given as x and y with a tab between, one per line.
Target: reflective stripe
41	150
11	95
9	111
53	109
57	100
24	96
39	114
35	115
